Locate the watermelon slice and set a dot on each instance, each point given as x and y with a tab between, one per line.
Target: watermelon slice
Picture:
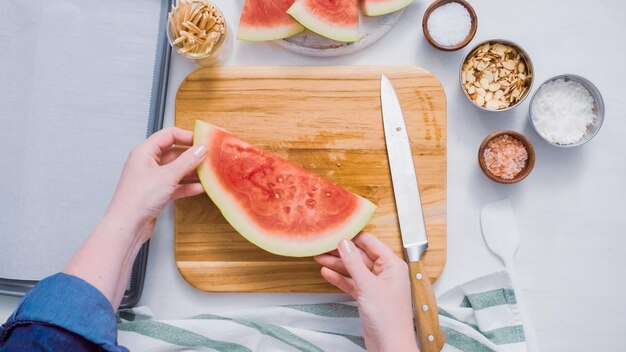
334	19
267	20
273	203
383	7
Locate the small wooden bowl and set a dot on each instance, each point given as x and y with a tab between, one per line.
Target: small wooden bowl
530	162
470	36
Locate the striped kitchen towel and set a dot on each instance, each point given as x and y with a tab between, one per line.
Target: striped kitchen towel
480	315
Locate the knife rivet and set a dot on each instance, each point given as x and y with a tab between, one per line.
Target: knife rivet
418	276
431	338
398	129
424	307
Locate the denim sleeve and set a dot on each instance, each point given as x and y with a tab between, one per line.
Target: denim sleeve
62	309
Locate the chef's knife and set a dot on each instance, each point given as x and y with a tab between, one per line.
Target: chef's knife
411	218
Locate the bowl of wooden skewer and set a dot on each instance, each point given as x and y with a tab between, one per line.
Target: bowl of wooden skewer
197	30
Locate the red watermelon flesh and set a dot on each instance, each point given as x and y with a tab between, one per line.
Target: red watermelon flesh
275	204
334	19
267	20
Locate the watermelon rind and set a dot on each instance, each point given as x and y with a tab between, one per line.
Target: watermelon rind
315	24
280	245
383	7
258	34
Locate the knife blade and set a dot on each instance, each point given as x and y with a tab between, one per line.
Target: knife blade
410	217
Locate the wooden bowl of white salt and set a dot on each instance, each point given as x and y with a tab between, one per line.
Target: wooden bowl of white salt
449	25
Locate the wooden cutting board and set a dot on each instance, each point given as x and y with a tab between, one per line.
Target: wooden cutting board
327	119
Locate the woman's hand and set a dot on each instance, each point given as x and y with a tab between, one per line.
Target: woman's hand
378	280
152	177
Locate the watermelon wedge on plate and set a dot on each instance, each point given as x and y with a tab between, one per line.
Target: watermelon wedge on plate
277	205
334	19
267	20
383	7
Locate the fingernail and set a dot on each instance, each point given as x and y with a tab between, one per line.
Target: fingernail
344	247
200	151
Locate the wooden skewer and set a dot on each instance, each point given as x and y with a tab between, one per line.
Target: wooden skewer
178	40
203	21
187	11
210	23
191	26
195	16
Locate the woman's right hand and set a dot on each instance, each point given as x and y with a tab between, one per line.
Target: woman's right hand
378	280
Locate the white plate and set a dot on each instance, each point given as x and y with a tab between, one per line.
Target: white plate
371	29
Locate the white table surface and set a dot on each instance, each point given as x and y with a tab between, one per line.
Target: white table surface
570	210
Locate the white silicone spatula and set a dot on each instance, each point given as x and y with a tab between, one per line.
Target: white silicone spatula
502	237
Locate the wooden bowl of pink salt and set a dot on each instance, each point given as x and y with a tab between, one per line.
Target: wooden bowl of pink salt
506	156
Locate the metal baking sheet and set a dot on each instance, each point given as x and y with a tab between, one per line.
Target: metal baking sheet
78	12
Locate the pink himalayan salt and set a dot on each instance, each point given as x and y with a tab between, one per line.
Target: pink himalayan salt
505	157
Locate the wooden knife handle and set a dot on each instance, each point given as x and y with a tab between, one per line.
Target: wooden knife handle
425	310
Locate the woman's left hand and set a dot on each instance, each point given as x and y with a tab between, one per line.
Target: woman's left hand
152	177
369	271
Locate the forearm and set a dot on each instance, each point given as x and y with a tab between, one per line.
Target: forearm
403	337
402	344
395	339
151	177
124	276
106	257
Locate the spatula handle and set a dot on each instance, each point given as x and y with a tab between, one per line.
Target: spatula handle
425	310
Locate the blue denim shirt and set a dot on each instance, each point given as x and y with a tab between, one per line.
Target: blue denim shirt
61	313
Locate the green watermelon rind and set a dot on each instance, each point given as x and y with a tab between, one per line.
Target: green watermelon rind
259	34
300	13
379	8
272	243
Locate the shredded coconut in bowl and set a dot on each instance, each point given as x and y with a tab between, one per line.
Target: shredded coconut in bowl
562	111
505	157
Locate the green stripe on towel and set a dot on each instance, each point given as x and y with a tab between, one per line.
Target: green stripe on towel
330	310
178	336
463	342
272	330
448	315
491	298
357	340
505	335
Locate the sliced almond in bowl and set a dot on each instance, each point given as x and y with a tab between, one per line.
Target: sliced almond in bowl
496	75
